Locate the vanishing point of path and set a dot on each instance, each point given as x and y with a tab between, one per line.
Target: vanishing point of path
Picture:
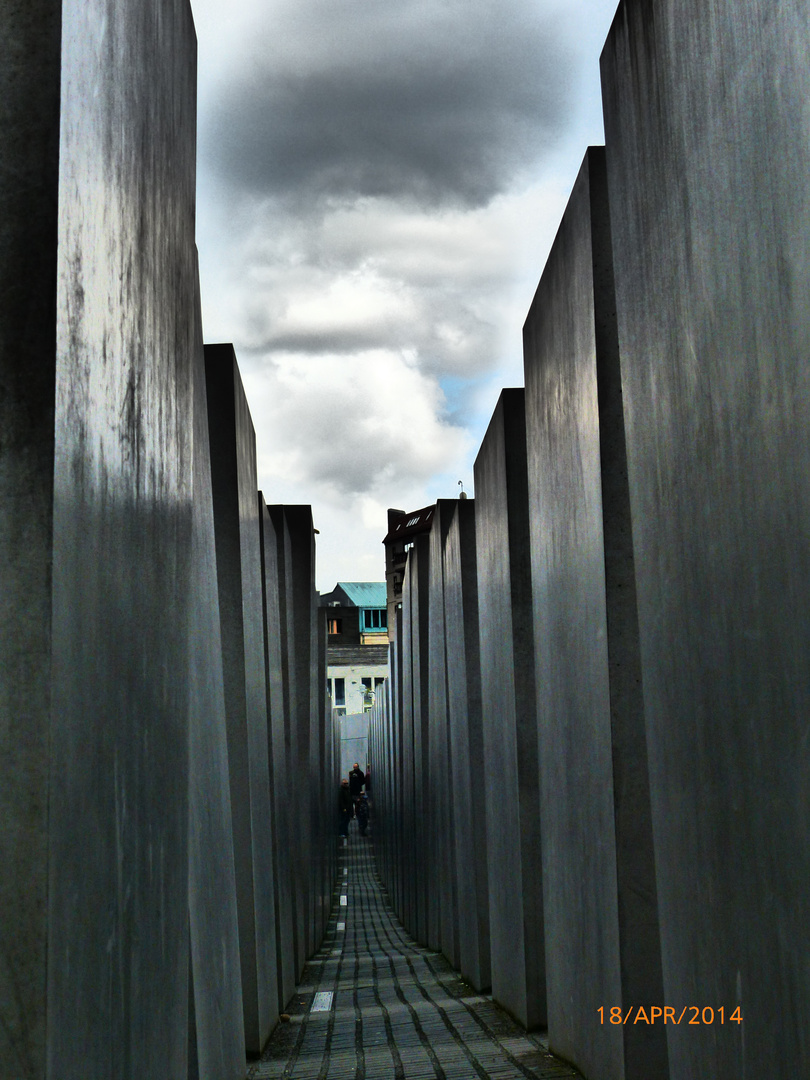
374	1005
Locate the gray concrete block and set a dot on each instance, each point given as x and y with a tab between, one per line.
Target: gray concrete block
95	477
407	853
509	706
217	1048
303	698
29	128
416	710
288	767
275	641
325	847
396	770
353	741
705	117
296	553
414	754
440	839
236	521
601	918
398	744
468	763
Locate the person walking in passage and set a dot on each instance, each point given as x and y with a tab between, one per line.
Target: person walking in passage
345	808
357	779
361	811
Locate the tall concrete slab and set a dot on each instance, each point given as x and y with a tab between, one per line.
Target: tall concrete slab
97	262
417	789
443	897
324	870
286	764
396	770
217	1050
30	42
354	741
509	706
468	762
303	710
706	118
407	854
238	551
601	919
275	639
299	654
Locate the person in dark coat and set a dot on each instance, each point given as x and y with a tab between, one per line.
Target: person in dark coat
357	779
361	810
345	808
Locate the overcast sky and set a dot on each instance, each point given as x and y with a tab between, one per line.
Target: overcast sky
379	184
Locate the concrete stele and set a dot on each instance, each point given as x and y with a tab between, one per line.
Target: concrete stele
236	519
465	724
710	224
275	640
96	484
509	706
598	879
443	914
217	1045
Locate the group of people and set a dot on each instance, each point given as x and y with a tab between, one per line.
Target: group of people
353	800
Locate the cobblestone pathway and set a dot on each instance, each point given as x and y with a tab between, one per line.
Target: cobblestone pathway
375	1006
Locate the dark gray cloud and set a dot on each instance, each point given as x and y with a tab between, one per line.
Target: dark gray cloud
438	102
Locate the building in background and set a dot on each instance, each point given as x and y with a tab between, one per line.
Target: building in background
356	615
402	528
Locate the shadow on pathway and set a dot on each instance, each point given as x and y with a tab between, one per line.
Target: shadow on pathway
376	1006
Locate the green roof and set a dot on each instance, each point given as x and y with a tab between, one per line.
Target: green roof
365	593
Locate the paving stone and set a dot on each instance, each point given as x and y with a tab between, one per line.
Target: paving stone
399	1012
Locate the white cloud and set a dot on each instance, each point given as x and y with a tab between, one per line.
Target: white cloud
349	426
378	188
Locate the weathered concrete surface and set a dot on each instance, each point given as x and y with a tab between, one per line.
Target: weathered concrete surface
708	159
303	710
278	722
416	787
443	895
468	764
217	1049
125	274
409	642
302	678
353	741
512	781
602	941
29	131
236	520
396	771
325	844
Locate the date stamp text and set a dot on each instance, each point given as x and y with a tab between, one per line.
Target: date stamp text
690	1014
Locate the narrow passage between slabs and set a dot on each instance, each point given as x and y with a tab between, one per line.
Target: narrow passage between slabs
374	1005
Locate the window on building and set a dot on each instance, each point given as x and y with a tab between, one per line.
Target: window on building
375	618
335	626
378	683
368	700
339	696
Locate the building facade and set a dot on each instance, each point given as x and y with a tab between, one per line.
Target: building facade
403	527
356	616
